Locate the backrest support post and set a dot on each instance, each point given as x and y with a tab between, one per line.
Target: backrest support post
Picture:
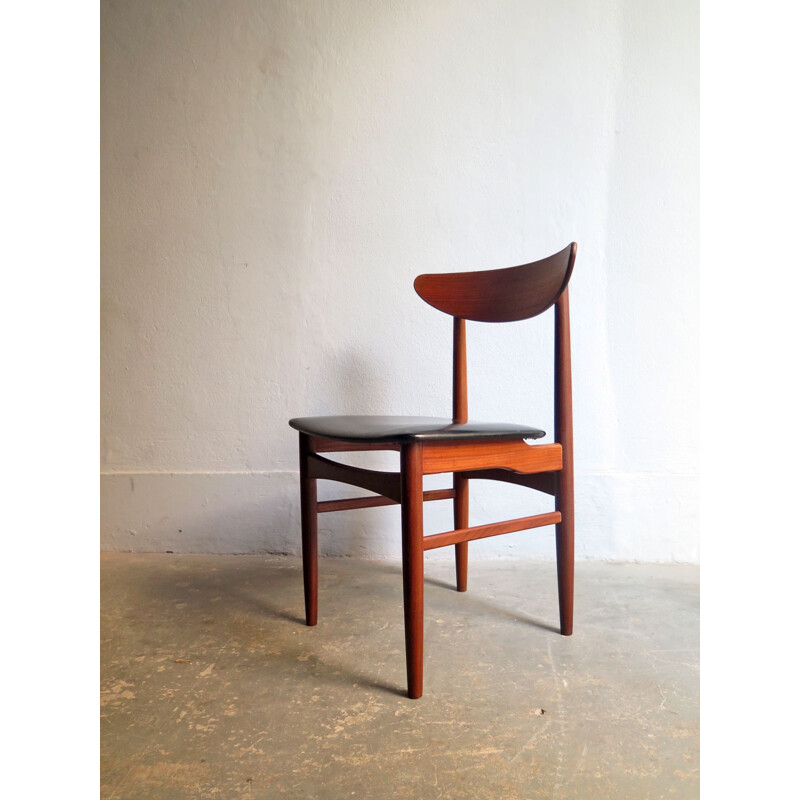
460	410
563	388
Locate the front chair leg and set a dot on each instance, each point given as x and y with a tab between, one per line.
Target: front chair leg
308	517
461	518
413	571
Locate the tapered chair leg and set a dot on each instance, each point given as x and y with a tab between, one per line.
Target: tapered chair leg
565	497
308	517
461	518
413	571
565	553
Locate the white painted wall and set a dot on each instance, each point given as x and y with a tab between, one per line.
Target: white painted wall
274	176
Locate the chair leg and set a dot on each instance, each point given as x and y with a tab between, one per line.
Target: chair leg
565	551
413	570
308	517
461	518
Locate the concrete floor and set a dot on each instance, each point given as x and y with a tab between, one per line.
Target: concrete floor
213	688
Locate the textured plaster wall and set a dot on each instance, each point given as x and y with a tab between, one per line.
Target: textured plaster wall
274	175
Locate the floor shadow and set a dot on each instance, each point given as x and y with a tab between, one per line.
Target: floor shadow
260	605
371	683
231	598
477	601
441	584
517	617
228	601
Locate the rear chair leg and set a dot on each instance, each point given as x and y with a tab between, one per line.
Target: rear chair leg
308	517
461	518
565	497
413	571
565	552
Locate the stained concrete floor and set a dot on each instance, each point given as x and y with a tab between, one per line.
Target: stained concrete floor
213	688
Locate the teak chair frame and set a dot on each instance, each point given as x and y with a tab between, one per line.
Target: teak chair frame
491	296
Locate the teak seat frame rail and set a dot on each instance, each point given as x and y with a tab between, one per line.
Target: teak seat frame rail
546	468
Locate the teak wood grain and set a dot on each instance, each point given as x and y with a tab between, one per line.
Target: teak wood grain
507	454
460	415
370	502
473	451
321	445
565	497
492	529
413	566
546	482
500	295
308	517
384	483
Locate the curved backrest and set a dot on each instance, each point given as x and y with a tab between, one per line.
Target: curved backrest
500	295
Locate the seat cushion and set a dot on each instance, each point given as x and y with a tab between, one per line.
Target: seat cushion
400	429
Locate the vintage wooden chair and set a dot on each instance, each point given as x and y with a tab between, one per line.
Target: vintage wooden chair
470	450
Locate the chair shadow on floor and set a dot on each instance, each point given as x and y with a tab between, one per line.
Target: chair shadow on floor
234	600
234	604
475	600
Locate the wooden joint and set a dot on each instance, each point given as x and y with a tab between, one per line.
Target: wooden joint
383	483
